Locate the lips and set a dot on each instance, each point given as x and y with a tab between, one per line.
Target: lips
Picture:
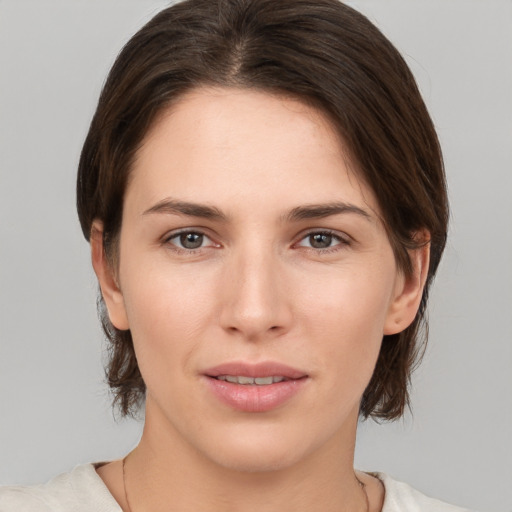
263	369
254	387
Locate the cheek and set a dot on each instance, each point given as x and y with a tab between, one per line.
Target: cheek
167	311
346	314
349	301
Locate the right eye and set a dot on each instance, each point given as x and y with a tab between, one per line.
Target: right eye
190	240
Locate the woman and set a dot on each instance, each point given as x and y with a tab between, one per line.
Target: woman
264	195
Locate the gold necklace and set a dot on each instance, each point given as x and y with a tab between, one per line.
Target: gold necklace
361	484
124	486
363	487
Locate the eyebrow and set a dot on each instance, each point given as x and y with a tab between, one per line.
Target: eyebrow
320	211
172	206
313	211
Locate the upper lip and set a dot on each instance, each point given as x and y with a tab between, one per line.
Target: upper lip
262	369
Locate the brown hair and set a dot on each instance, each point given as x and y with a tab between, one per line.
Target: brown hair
319	50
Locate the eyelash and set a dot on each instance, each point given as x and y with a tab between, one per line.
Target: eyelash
342	241
181	250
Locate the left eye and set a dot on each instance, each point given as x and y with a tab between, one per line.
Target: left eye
190	240
320	240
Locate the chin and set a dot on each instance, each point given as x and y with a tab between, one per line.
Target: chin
256	460
260	450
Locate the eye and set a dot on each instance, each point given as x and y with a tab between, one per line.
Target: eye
322	240
189	240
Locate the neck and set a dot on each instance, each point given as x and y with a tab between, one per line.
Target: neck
165	470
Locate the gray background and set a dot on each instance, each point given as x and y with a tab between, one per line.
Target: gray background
54	407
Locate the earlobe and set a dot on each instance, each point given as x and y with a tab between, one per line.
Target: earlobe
409	290
109	286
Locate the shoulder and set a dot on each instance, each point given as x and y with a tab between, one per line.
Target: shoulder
401	497
80	490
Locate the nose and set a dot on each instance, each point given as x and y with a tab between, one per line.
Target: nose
256	304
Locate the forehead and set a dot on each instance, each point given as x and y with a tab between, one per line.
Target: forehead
221	116
227	143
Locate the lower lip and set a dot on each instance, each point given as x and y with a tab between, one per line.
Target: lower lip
254	398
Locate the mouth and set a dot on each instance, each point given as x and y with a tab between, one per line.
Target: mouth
245	380
255	388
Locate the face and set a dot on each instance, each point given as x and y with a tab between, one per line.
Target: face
256	279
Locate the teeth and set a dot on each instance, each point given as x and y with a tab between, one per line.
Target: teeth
259	381
263	381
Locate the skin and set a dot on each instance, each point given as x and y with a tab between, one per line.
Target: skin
257	289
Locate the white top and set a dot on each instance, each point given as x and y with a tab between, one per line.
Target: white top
82	490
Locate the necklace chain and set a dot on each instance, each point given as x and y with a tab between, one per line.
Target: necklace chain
363	487
361	484
124	486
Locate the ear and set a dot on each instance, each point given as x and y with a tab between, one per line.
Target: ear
409	289
109	286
